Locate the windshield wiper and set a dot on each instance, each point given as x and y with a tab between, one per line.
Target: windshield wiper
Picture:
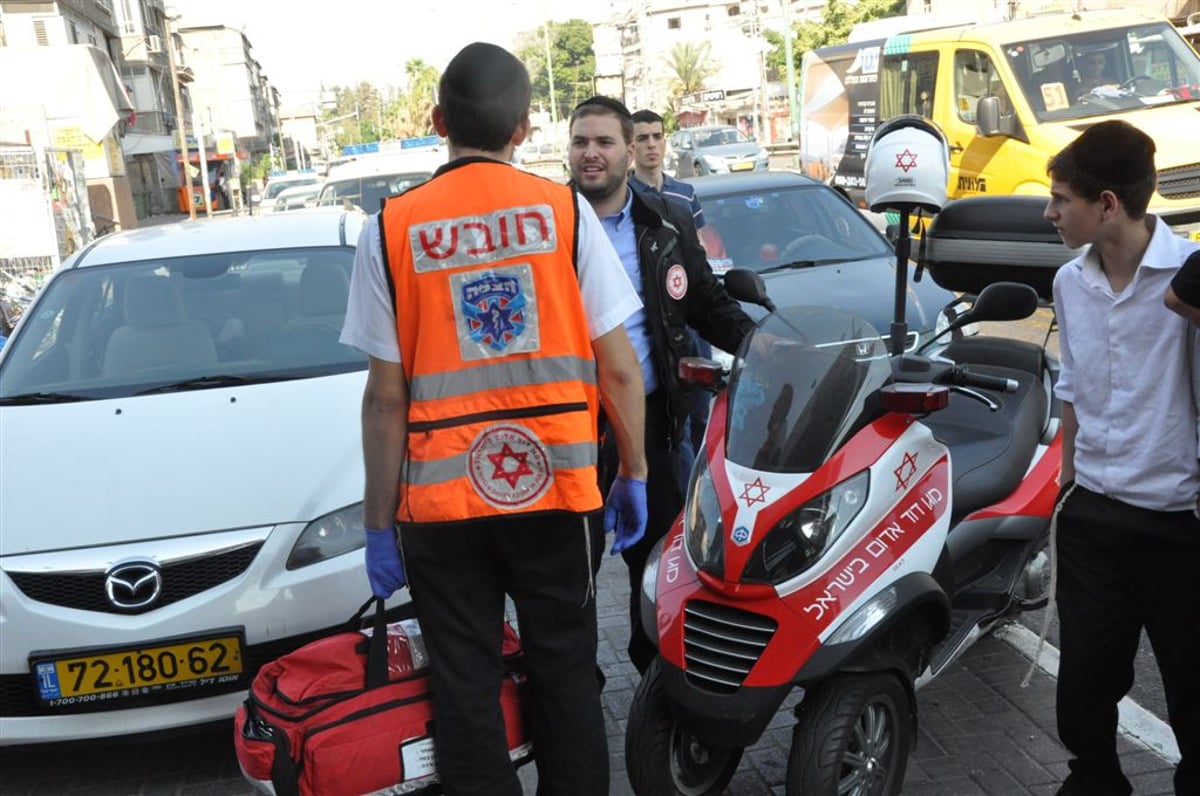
206	382
43	398
797	264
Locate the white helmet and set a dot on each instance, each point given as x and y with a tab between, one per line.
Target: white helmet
908	165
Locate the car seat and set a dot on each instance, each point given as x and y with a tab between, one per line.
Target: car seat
156	335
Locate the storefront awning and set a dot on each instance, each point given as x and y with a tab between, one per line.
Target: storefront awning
74	85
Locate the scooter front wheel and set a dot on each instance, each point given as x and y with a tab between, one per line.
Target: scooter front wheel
852	738
662	758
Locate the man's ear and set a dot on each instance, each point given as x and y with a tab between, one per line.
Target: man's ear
521	132
439	121
1110	204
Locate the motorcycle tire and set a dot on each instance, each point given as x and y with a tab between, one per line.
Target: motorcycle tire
664	760
853	737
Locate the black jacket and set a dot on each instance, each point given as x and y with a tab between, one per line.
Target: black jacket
667	241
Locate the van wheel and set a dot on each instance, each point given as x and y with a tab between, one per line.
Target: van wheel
853	737
661	758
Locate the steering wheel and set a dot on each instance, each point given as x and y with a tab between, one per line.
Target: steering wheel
1133	81
796	245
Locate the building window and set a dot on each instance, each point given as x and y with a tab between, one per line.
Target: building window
39	33
734	11
672	23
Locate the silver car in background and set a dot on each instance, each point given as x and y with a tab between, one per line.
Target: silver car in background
718	149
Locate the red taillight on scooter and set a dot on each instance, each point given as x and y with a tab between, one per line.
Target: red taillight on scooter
701	371
915	399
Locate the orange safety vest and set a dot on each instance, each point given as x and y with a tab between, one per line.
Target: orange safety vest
495	345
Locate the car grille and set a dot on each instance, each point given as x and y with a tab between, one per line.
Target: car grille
721	644
1180	182
181	579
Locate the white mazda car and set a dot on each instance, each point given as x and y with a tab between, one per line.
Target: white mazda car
180	473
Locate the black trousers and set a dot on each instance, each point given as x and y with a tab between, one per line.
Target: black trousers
459	576
1121	569
664	500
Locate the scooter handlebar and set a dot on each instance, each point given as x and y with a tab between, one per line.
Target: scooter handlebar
966	378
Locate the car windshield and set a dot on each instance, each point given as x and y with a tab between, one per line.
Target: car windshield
1089	74
276	187
183	323
368	192
783	423
797	225
726	135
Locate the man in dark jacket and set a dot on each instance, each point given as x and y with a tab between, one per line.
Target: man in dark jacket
659	247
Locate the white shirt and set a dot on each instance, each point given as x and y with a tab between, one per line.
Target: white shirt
1125	370
370	326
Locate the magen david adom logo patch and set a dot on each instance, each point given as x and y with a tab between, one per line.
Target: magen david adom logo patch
677	282
509	467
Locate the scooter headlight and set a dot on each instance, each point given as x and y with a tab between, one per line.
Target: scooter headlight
803	536
705	531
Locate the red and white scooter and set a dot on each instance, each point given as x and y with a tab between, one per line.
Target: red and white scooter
856	519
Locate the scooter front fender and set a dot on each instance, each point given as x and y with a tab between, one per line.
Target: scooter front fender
736	719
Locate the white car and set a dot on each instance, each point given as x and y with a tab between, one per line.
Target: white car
280	183
298	197
182	473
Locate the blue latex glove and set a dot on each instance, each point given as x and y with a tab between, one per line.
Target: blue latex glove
385	569
625	512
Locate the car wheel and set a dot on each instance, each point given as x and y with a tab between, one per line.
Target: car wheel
662	758
852	737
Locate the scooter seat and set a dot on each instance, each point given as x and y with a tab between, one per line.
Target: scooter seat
990	450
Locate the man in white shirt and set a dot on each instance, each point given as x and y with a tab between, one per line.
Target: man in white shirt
1128	540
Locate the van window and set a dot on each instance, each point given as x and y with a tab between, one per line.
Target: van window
1096	73
975	77
906	84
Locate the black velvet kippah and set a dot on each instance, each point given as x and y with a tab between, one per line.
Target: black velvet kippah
481	70
1114	152
616	106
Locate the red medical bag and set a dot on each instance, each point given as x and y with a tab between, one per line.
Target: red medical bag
351	714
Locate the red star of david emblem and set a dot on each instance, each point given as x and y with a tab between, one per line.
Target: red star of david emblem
760	487
906	470
677	281
906	160
514	475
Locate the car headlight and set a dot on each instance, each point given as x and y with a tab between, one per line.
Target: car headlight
325	537
704	529
803	536
715	163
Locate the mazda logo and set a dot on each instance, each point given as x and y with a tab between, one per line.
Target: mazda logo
133	584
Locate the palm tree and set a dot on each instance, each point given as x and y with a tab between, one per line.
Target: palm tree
690	64
419	99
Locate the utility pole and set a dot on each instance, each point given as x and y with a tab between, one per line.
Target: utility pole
788	54
550	74
179	117
198	129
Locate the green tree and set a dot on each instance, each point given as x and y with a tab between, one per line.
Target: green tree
419	98
838	18
572	60
690	65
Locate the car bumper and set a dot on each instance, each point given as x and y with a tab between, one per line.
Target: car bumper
275	609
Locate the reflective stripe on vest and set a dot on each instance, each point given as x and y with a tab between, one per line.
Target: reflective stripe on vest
495	346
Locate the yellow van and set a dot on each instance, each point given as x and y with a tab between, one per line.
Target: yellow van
1008	96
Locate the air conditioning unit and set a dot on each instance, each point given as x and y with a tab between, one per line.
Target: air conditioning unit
154	44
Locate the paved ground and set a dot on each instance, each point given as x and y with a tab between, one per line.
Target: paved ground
980	733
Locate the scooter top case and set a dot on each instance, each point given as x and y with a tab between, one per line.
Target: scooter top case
979	240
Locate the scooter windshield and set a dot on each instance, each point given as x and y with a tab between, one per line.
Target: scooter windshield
808	380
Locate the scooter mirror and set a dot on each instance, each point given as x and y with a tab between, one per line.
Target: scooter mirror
1003	301
746	285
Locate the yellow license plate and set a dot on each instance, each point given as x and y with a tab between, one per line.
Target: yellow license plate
80	677
744	166
1195	235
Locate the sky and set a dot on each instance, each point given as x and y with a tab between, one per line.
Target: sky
302	45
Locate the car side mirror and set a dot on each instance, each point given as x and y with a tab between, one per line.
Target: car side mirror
987	116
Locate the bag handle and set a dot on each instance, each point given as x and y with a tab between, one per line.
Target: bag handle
377	647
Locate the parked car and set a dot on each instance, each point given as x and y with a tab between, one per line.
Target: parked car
280	183
298	197
718	149
182	476
811	247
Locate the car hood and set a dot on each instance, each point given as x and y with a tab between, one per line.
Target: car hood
730	150
117	470
862	287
